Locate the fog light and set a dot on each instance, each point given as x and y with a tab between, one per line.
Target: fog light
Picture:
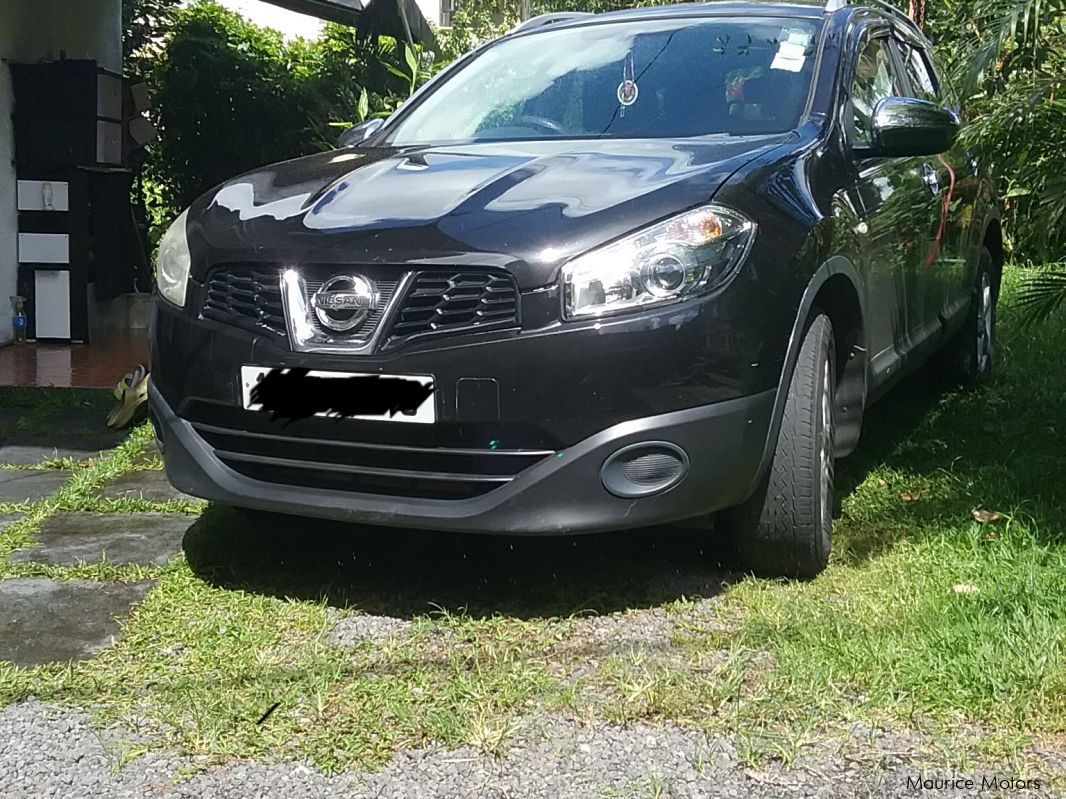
641	470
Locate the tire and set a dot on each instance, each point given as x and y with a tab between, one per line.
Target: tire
785	528
971	354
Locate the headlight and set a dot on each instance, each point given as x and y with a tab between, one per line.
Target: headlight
173	261
684	255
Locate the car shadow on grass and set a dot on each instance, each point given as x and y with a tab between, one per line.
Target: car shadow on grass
405	573
948	451
996	449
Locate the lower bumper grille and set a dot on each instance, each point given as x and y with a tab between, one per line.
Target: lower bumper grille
424	472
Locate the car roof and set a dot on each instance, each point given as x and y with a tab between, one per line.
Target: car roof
783	8
739	8
805	9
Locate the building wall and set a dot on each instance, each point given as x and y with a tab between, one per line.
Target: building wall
81	29
32	31
8	218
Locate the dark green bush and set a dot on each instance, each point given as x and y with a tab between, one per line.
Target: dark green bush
231	96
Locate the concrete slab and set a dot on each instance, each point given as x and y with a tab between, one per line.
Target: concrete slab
8	518
150	485
81	421
10	417
147	539
47	621
148	457
26	450
30	485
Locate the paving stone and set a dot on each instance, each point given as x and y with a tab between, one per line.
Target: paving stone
23	450
84	421
9	417
147	539
30	485
151	485
148	457
8	518
47	621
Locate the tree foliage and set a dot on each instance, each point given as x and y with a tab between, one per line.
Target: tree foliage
144	24
231	96
1009	61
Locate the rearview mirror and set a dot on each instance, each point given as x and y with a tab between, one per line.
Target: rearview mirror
905	126
359	133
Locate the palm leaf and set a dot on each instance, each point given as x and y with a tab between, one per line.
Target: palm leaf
1020	21
1043	294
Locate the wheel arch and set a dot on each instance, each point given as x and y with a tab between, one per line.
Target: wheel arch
993	240
833	290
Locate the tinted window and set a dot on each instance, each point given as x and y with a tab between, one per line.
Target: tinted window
922	78
874	80
653	78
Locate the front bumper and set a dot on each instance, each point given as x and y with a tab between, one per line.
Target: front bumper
560	492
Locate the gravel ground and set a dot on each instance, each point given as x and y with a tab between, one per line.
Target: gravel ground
46	752
349	631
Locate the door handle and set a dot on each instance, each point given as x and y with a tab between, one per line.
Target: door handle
931	179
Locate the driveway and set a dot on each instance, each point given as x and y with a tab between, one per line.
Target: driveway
160	647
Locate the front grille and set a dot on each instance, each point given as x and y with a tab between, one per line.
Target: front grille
349	455
249	297
438	302
452	302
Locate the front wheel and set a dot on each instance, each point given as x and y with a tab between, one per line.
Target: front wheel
971	354
785	528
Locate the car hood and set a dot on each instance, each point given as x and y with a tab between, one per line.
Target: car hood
526	207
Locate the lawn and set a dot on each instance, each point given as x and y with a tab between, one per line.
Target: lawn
942	615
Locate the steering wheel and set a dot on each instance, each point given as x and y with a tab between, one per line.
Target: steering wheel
543	123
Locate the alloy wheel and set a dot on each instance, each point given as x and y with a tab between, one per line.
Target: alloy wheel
985	310
826	448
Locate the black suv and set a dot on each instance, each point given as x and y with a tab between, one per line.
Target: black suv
607	271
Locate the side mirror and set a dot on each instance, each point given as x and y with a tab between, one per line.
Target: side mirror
905	126
359	133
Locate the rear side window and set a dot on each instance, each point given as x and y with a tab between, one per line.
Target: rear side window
874	80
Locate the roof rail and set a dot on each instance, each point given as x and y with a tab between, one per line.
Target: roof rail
884	5
553	18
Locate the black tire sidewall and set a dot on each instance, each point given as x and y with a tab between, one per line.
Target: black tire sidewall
785	528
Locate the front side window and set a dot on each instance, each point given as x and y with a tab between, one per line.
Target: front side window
664	78
922	78
874	80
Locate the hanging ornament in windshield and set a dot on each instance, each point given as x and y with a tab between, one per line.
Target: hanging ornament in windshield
627	89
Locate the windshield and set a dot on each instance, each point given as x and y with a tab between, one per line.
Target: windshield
666	78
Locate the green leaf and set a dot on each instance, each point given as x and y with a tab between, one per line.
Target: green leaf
412	62
363	107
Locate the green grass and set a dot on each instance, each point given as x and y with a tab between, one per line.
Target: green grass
927	621
926	617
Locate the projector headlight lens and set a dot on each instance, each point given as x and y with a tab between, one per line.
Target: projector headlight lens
669	261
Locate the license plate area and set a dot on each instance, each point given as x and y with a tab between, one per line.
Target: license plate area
299	393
